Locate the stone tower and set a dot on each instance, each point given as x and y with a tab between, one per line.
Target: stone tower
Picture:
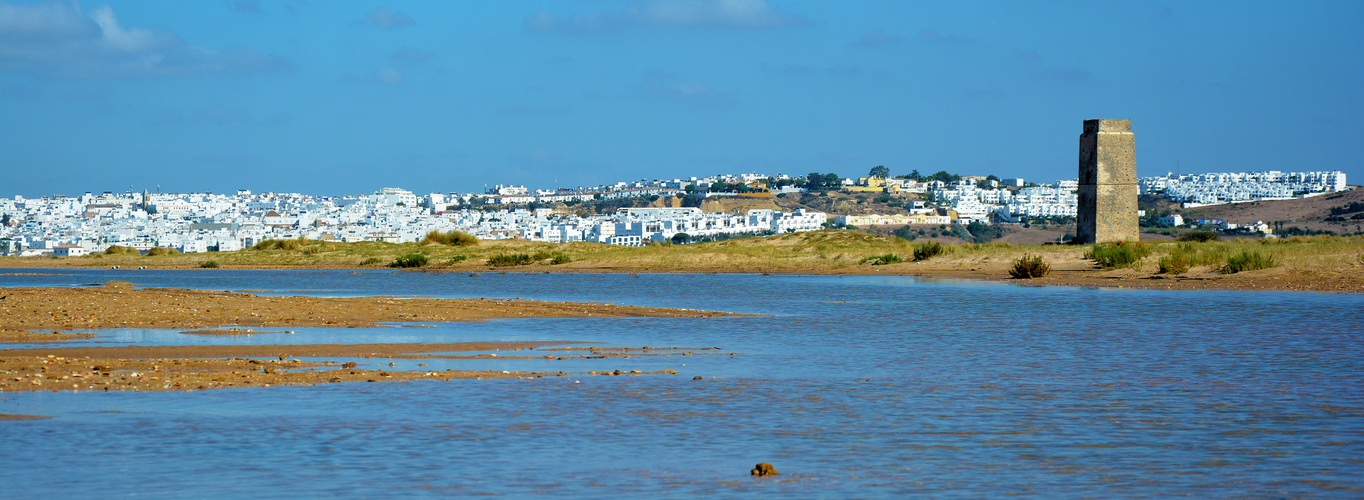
1108	183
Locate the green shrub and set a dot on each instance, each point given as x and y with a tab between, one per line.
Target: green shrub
1118	254
541	255
157	251
1176	263
928	250
560	259
118	249
1199	236
509	259
880	260
1249	261
409	260
1028	267
371	261
273	244
906	233
1188	255
209	264
453	238
456	259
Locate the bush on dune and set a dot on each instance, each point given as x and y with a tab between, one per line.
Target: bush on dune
1118	254
118	250
928	250
452	238
410	260
1028	267
1249	261
509	259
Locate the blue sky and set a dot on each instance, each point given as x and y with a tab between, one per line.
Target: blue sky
345	97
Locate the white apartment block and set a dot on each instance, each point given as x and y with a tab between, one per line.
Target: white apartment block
1219	188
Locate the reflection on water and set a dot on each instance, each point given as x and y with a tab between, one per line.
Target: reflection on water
854	386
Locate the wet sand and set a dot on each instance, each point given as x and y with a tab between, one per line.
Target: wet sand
187	368
26	312
13	417
20	336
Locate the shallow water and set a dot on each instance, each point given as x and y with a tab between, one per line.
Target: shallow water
852	386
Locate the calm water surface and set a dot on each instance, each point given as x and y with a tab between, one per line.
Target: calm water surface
850	386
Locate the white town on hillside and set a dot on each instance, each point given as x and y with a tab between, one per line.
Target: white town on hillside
202	222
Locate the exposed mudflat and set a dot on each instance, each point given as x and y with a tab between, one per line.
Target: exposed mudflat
27	312
119	305
179	368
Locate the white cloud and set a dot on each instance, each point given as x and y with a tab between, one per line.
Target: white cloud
245	6
136	40
532	110
63	40
667	86
228	116
877	38
542	155
721	13
409	54
385	18
545	22
389	75
927	35
737	14
43	21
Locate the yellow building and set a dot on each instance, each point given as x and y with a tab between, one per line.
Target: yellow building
867	185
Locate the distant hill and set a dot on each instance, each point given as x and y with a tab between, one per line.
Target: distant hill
1306	213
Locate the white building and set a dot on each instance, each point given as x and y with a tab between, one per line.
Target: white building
68	251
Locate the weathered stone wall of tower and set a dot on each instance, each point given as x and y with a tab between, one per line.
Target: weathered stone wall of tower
1108	183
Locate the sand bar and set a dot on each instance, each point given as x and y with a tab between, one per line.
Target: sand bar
26	313
119	305
49	372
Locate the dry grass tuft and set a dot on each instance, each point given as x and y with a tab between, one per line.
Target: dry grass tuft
1029	267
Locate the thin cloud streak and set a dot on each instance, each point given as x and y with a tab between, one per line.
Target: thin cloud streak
385	18
727	14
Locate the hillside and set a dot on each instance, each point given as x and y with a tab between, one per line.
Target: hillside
1306	213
